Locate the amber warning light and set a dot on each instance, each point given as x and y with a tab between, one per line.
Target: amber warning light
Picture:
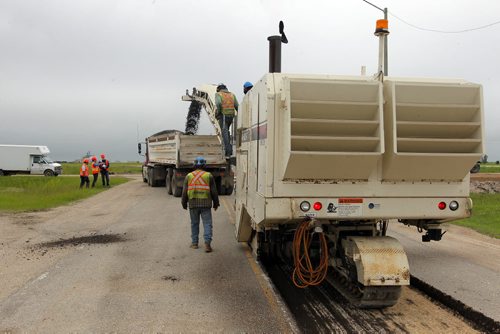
382	27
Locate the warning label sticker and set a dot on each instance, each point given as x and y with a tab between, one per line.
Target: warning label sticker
345	207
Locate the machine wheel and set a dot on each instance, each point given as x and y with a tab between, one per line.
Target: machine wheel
168	181
228	191
48	172
176	191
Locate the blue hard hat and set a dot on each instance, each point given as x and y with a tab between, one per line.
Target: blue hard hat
199	162
247	84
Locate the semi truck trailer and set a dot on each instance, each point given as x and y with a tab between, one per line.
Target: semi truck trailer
170	155
27	159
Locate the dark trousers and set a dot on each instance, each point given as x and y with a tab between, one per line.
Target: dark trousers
96	175
225	124
105	177
84	180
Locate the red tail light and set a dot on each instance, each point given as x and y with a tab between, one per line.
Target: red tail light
442	205
317	206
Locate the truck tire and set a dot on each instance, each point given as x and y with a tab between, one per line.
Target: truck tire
48	172
476	168
176	191
150	172
144	178
168	181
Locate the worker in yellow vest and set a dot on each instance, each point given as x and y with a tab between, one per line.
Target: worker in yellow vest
227	106
95	170
84	173
200	191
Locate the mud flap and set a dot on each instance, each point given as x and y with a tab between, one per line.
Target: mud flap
380	261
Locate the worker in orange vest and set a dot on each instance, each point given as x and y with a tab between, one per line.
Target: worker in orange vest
104	166
95	170
84	173
227	106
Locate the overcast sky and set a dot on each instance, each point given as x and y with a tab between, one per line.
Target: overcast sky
96	75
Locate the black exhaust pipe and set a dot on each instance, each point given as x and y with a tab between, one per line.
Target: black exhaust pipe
275	49
274	54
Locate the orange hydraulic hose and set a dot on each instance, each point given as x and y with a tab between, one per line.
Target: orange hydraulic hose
304	274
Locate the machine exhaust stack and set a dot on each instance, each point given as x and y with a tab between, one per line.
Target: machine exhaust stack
275	49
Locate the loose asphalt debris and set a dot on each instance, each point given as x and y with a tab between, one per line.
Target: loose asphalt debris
170	278
193	118
88	240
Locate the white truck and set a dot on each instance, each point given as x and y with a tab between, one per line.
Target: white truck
27	159
170	155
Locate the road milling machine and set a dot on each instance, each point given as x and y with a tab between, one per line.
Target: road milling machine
324	162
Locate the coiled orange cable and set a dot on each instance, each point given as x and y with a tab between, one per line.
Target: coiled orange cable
304	274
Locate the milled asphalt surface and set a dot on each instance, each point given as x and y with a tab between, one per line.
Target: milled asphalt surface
151	282
464	265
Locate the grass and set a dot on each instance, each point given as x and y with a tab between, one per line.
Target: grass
33	193
485	215
73	168
489	167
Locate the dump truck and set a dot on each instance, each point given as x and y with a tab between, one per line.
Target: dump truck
326	162
27	159
170	155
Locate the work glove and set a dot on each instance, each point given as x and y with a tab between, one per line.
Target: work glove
184	206
216	205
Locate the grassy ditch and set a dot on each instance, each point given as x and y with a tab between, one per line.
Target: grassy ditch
73	168
32	193
485	215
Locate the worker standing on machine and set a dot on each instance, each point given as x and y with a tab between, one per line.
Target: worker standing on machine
84	173
95	170
247	86
200	191
227	106
104	166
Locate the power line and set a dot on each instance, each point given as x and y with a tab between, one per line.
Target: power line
443	31
434	30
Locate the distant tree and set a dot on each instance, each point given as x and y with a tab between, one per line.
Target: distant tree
484	158
498	162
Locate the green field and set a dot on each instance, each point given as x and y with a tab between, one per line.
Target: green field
485	215
489	167
73	168
32	193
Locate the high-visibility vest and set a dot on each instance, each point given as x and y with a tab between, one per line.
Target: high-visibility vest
84	170
227	99
95	168
198	184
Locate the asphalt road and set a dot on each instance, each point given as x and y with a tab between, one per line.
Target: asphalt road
121	262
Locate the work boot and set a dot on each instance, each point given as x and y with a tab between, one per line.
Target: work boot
208	248
194	246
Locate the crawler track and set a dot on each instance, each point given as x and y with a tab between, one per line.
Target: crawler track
323	310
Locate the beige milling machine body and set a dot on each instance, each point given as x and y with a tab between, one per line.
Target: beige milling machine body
348	154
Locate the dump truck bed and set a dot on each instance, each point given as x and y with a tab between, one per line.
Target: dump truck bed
175	148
